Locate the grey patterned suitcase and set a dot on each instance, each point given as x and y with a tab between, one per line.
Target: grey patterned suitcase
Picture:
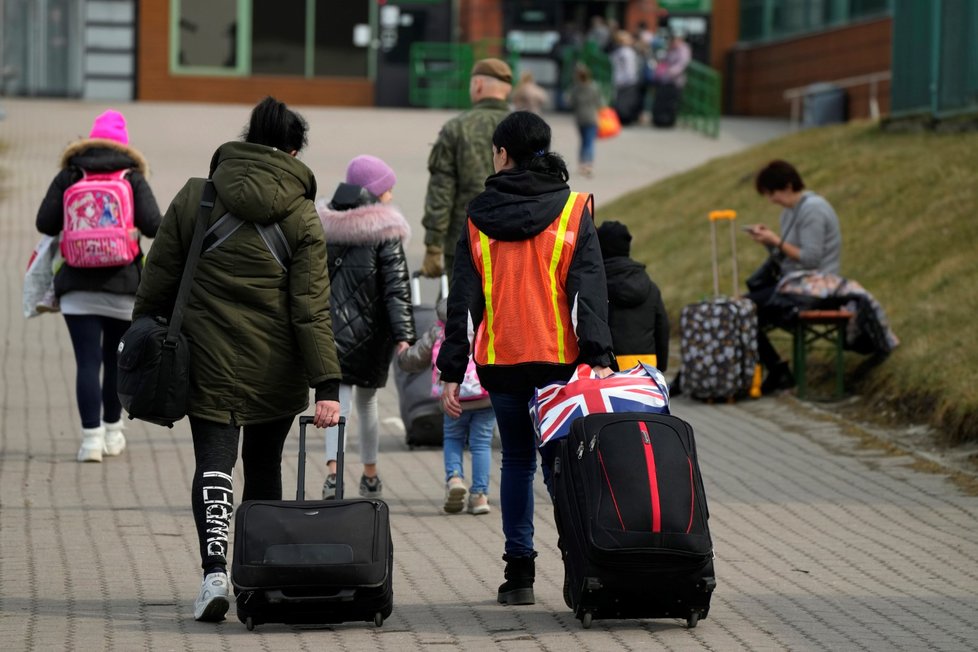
718	336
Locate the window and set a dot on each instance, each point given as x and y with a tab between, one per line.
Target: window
302	38
278	37
335	53
207	34
762	20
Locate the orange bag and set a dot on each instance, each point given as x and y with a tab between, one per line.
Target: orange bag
608	123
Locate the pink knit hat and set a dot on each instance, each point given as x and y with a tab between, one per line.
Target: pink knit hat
111	125
371	173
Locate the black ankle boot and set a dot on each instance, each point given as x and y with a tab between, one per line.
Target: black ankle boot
518	587
778	377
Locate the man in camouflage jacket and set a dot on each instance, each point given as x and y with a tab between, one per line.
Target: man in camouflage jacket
460	161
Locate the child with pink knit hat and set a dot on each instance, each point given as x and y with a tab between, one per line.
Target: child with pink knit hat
97	302
370	301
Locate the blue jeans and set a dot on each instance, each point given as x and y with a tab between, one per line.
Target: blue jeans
588	134
519	468
476	426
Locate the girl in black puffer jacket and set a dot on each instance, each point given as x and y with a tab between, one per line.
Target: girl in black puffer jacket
370	301
97	302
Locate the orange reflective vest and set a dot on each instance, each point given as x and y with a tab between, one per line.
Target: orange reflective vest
524	282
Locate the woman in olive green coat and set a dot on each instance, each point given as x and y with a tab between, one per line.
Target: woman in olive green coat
260	326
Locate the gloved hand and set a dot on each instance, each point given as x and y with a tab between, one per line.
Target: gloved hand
433	266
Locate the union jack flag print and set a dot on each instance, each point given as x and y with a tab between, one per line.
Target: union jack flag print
554	407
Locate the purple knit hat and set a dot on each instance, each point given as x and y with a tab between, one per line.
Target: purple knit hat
111	125
371	173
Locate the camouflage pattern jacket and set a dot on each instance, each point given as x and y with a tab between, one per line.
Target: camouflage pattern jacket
459	163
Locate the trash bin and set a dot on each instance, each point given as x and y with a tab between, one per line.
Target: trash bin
823	104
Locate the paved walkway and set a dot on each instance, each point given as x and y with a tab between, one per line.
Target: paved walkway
822	543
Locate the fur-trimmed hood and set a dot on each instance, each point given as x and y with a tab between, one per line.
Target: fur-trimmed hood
80	148
368	224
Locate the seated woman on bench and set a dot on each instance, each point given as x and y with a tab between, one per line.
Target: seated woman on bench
810	239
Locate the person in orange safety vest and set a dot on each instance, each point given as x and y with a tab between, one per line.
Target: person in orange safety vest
529	275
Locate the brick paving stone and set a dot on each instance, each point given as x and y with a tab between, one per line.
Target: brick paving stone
821	544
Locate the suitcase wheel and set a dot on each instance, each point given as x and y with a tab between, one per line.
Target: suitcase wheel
586	619
692	619
250	624
378	619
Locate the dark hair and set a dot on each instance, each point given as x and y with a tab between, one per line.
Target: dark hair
276	125
778	175
526	137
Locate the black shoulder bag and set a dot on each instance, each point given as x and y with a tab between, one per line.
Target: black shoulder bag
154	356
769	273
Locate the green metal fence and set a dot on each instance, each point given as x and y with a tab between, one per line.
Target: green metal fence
439	75
935	58
440	72
700	109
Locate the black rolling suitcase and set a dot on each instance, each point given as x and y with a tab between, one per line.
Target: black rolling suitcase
632	519
665	105
313	561
420	409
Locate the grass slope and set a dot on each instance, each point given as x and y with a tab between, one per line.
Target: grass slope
908	206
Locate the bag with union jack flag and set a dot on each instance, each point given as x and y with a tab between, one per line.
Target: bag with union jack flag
555	407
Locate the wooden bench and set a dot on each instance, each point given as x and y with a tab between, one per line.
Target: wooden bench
814	325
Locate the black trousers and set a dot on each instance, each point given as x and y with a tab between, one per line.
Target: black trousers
776	310
212	498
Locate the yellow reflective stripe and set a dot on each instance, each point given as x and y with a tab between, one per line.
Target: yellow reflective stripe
554	261
487	291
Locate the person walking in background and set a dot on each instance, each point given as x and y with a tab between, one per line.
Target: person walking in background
668	80
529	95
371	301
97	302
474	425
460	161
528	269
585	100
627	76
810	240
259	326
637	317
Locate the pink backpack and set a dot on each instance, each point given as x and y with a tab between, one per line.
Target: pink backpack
471	389
99	228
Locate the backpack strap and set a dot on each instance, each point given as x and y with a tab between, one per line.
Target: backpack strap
220	231
274	239
271	234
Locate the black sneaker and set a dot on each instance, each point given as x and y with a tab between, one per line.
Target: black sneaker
779	378
371	487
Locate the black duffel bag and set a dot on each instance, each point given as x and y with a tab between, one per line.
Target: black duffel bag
154	372
154	355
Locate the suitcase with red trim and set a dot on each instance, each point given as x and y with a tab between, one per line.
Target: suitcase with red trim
632	518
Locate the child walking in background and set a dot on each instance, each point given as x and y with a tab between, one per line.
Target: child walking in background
370	301
100	189
475	424
585	100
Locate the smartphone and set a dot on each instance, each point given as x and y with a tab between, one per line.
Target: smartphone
748	227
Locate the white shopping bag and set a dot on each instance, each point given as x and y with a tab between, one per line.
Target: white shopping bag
39	280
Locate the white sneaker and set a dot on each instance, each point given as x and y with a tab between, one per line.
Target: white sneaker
93	445
455	493
478	504
212	601
115	441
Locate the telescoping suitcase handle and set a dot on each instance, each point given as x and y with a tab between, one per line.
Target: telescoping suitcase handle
730	216
416	287
300	492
